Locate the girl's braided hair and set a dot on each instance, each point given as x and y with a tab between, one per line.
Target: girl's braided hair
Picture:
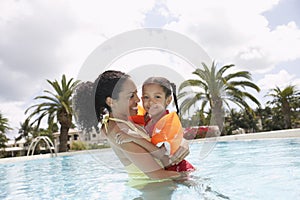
168	87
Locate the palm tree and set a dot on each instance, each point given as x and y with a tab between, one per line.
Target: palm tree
24	129
56	106
242	119
4	126
285	99
217	89
233	119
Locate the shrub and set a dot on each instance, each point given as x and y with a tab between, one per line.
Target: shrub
78	145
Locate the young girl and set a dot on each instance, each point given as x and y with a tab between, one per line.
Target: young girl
163	128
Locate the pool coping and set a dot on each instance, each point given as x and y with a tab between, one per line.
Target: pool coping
281	134
43	156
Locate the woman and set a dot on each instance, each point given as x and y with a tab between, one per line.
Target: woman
115	100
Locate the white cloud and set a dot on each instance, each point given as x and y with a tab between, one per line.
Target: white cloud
109	17
30	38
14	111
145	63
283	44
236	32
99	21
281	79
42	39
271	48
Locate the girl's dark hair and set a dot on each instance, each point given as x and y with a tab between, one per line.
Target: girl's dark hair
108	84
168	88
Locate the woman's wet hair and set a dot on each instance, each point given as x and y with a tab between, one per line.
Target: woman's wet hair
83	101
168	87
89	98
108	84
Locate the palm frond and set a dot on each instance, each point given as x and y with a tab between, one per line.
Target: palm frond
53	101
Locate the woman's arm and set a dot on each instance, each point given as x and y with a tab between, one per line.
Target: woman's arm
160	152
157	152
133	153
145	162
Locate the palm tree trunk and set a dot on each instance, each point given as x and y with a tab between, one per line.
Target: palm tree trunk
286	112
65	121
63	139
217	117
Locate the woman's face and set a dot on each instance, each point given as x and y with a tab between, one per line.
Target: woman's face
127	103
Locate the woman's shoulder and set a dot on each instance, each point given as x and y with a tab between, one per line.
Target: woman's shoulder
112	129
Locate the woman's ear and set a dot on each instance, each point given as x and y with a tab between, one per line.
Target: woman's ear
109	101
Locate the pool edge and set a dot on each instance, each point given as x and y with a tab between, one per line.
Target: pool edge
280	134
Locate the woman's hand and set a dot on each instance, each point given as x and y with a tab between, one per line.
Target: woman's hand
165	160
182	152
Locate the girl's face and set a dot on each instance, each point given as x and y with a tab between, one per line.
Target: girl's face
154	99
127	103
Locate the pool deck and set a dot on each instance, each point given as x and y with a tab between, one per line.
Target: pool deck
281	134
288	133
42	156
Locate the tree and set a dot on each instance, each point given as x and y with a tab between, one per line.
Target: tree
4	126
271	118
242	119
232	121
287	100
216	89
56	106
24	129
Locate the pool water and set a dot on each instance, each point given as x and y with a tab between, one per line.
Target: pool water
258	169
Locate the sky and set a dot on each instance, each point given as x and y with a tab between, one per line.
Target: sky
42	40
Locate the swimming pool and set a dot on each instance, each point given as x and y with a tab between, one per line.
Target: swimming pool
258	169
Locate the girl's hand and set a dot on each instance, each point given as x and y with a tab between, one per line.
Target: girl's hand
123	138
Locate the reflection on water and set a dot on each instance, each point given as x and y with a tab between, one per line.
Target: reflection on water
191	188
233	170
